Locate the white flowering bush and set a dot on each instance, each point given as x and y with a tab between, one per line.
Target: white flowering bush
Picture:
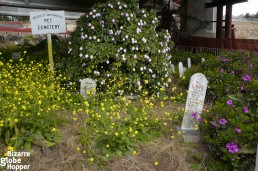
119	47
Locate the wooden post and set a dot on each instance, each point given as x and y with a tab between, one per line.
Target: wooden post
50	52
228	23
219	22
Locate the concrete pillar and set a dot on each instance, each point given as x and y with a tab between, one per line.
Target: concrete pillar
167	4
183	13
219	22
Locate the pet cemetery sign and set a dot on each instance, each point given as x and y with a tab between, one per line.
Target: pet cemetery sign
47	22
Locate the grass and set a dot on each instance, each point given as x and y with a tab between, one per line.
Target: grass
166	153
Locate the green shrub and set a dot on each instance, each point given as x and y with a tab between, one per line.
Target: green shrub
182	56
116	43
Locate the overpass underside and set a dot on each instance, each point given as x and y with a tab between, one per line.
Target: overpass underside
67	5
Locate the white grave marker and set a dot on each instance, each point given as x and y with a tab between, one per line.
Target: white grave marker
194	103
189	62
202	60
16	55
173	68
256	162
181	69
88	85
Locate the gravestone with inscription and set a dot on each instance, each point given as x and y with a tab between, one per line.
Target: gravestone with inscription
189	62
194	104
181	69
88	87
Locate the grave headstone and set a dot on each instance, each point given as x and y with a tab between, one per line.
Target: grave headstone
256	162
16	55
194	104
189	62
181	69
88	87
202	60
173	68
15	43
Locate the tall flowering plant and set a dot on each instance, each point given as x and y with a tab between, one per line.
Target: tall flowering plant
119	46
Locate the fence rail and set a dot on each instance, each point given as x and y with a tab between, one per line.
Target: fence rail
194	49
216	45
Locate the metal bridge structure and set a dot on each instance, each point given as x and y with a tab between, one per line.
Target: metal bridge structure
73	8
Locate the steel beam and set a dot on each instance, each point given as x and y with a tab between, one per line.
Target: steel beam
216	3
12	11
67	5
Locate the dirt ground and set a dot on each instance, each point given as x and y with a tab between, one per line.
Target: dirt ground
246	29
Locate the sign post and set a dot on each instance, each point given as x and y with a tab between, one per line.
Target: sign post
47	22
50	52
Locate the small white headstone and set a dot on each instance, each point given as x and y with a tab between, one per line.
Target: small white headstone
194	103
16	55
173	68
203	60
256	162
15	43
181	69
189	62
88	87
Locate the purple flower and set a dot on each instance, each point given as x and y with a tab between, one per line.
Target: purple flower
229	102
194	115
214	123
224	59
232	72
238	130
245	109
200	119
242	88
247	78
221	70
232	147
223	121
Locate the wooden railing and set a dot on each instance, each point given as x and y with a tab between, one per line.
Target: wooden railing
216	45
